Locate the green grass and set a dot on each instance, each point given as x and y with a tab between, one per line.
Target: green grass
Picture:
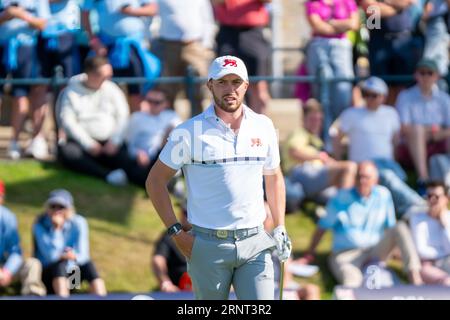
123	223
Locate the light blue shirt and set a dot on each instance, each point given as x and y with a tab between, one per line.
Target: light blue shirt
414	108
112	22
186	20
19	28
66	13
51	243
358	222
10	251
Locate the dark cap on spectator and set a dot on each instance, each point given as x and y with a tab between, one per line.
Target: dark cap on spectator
427	64
2	188
61	197
375	84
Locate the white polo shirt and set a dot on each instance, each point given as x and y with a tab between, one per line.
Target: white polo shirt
224	171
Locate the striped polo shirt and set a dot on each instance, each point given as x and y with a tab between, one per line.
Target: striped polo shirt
224	171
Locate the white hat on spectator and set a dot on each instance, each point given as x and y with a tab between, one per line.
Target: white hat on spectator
376	85
226	65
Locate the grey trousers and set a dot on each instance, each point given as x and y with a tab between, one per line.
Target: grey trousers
216	264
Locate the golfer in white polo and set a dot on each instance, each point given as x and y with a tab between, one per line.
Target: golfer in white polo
224	153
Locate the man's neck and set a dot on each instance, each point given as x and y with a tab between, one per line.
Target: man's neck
234	119
91	85
426	92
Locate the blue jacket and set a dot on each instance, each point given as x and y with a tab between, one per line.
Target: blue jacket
10	251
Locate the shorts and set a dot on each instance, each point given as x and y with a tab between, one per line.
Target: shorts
66	55
248	44
404	157
58	269
28	66
314	179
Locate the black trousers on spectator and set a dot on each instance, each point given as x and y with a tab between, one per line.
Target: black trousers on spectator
72	155
58	269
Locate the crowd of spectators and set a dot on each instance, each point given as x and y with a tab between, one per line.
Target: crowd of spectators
357	168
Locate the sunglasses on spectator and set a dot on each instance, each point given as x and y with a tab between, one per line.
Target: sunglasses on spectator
431	196
370	95
56	207
428	73
155	101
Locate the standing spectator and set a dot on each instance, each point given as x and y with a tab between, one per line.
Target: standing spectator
12	264
147	133
93	113
241	24
394	45
330	49
169	264
186	36
305	160
431	232
362	220
121	37
373	132
61	242
425	116
20	22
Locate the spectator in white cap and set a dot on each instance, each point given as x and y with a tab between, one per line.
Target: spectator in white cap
374	132
224	153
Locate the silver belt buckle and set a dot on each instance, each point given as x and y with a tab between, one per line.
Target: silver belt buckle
222	234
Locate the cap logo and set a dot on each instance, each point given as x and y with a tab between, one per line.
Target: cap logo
229	62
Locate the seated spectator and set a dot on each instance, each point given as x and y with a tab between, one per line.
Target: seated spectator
439	168
431	233
306	162
61	243
373	132
93	114
364	228
330	48
169	264
12	265
425	116
147	133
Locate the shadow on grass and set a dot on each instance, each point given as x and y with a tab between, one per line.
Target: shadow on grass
93	197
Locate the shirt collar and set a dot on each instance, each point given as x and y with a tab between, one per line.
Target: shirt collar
210	112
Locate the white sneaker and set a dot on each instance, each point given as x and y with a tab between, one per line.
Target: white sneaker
117	177
38	148
14	150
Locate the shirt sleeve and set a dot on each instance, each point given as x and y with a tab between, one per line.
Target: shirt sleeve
43	9
177	151
162	247
346	121
87	5
390	214
12	248
45	247
420	232
122	113
352	6
329	219
403	110
273	154
81	247
313	7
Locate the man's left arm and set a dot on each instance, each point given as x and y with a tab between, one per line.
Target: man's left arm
276	196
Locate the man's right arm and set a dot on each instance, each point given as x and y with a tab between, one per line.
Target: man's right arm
156	186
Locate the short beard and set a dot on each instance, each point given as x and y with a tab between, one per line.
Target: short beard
222	105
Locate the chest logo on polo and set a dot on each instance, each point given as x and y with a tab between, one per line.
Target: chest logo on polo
256	142
229	62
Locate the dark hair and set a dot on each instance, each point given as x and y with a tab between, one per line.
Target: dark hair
438	184
92	64
312	105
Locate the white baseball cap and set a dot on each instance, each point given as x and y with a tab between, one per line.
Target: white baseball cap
225	65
